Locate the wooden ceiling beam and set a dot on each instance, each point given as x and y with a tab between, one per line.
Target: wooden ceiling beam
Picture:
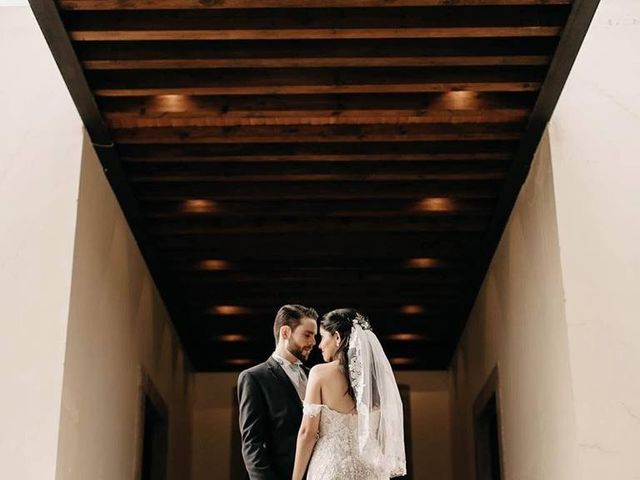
260	303
198	111
171	155
194	263
384	320
347	160
322	23
435	308
308	34
304	117
319	244
321	152
316	171
291	89
266	304
258	225
332	278
262	4
325	190
245	54
327	208
186	177
274	105
319	133
252	299
326	287
319	81
315	62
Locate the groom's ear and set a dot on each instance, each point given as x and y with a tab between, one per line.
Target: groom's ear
285	331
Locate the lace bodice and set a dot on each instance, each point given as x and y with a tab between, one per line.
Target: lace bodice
336	456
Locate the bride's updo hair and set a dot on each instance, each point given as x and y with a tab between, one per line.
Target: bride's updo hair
341	321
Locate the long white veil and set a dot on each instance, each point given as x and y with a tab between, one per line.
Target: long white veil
380	419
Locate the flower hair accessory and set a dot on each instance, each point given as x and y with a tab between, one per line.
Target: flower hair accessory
362	321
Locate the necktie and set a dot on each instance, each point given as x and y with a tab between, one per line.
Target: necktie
301	380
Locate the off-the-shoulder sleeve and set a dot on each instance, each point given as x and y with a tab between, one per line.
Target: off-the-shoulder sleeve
311	409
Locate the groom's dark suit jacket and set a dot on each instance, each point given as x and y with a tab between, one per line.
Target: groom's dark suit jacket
270	416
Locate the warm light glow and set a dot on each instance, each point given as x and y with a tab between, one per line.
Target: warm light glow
232	338
228	310
402	361
198	205
172	103
461	99
213	265
423	263
239	361
435	204
412	309
406	337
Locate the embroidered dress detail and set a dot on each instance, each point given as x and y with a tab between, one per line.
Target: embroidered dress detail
336	455
311	409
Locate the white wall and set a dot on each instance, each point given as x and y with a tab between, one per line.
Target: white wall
595	146
213	422
518	324
40	148
117	323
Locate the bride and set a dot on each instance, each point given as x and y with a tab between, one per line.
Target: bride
352	419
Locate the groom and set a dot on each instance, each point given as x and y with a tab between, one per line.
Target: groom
270	396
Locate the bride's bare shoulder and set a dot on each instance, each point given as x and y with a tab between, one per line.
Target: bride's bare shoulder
326	370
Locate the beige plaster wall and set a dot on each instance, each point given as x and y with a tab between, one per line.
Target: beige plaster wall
213	423
595	146
40	148
117	324
518	324
430	423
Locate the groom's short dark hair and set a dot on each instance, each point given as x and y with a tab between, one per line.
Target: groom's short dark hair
291	316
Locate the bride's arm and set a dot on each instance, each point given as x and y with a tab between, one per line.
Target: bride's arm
307	435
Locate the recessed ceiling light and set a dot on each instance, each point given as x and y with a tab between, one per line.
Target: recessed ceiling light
239	361
423	263
172	103
199	205
412	309
460	99
402	361
435	204
212	264
228	310
406	337
232	338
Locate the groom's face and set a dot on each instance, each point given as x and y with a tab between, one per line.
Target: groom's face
302	339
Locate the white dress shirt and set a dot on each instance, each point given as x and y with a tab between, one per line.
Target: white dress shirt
295	373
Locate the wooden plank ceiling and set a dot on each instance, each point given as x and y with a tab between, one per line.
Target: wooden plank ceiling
330	153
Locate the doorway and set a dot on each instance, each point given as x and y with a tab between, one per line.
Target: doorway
487	430
153	432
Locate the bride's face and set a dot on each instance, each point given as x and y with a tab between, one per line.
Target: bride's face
328	344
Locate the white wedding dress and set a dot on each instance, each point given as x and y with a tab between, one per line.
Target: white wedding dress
336	455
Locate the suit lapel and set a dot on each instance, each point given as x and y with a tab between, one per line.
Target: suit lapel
284	380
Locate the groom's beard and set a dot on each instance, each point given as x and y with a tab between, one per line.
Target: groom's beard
297	351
